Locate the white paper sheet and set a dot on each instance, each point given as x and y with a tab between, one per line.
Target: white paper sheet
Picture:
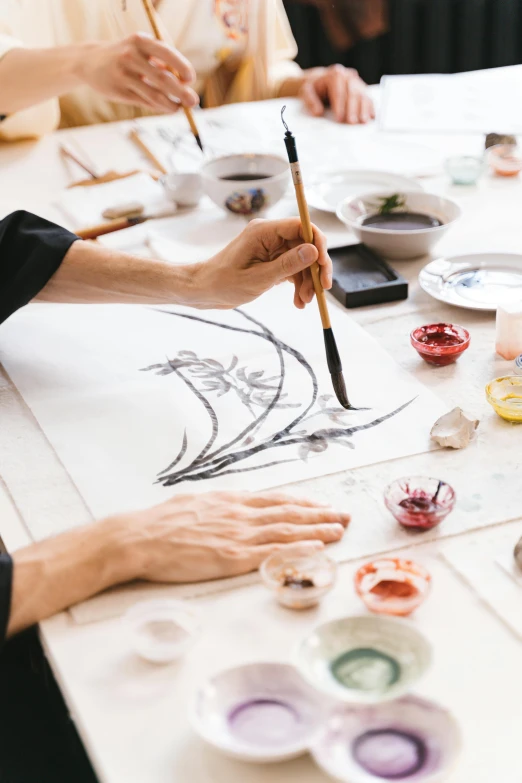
209	398
475	102
83	206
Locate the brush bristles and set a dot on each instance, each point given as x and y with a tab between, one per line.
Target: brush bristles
200	145
340	389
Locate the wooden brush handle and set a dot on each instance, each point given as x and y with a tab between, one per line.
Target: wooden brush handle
92	232
151	13
136	138
308	236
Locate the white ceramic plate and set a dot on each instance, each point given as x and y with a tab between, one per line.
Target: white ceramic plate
481	281
330	188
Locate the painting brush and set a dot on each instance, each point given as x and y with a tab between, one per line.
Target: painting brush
332	354
151	13
126	221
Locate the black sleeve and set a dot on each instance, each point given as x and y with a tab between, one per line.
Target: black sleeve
6	580
31	250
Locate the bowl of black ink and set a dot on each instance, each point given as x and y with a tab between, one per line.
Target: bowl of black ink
246	184
399	225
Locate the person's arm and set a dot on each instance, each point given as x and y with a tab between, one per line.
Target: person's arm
133	70
186	539
264	254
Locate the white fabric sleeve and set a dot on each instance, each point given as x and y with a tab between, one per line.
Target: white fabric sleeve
29	123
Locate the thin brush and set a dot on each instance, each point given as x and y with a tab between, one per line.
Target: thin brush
332	354
151	13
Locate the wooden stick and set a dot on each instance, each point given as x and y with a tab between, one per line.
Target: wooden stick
136	138
92	232
151	13
66	150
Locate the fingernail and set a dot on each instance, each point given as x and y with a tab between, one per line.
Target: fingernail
344	519
307	254
328	280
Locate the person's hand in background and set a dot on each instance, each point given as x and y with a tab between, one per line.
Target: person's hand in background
337	87
137	70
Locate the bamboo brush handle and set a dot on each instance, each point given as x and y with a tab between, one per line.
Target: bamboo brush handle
92	232
151	13
308	236
136	138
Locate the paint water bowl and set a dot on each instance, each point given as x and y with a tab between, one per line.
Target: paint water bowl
299	578
505	397
392	585
465	169
411	739
246	184
260	712
440	344
419	503
364	659
161	631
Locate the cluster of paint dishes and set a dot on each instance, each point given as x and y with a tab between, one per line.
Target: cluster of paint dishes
336	703
440	344
419	503
505	397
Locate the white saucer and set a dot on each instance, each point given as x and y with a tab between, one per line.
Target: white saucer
331	187
480	281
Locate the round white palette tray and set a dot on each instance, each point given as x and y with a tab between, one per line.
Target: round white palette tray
330	188
480	281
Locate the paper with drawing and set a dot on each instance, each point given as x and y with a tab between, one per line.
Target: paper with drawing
141	403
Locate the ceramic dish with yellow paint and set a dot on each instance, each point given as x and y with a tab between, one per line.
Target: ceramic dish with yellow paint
505	397
364	659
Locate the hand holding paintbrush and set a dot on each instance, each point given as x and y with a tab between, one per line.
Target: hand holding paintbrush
332	354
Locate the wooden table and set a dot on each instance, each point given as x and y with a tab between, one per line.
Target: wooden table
132	717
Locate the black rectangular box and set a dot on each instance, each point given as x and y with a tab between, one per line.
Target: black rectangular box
361	277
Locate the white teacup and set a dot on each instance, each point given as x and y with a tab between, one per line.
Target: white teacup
185	188
246	184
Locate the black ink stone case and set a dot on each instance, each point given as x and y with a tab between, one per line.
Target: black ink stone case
361	277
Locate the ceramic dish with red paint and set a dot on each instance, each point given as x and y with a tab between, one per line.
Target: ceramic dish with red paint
440	344
505	160
411	739
419	503
392	585
259	712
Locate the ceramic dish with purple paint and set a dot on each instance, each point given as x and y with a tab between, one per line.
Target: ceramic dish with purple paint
364	659
411	739
260	712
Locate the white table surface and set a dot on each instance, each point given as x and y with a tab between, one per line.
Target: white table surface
132	716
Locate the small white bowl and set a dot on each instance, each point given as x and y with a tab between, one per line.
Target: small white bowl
364	659
299	578
260	712
184	188
396	244
161	631
409	739
251	196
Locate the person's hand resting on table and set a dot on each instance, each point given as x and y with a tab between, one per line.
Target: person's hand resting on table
337	87
187	538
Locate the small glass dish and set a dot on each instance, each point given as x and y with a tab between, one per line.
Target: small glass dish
465	169
440	344
299	578
419	503
392	585
505	397
505	160
518	365
161	631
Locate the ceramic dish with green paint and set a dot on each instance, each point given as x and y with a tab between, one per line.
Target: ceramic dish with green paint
364	659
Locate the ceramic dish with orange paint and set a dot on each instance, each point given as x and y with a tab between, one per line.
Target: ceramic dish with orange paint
392	585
